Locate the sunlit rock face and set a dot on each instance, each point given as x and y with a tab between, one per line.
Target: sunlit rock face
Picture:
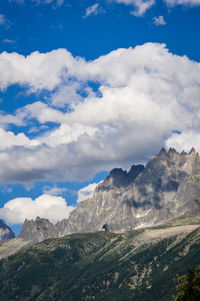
5	232
37	230
168	187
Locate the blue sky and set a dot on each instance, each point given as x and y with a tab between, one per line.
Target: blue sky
86	86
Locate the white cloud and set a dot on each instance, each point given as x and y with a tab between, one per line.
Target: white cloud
86	192
6	119
159	20
141	96
38	70
9	139
183	2
184	141
141	6
95	9
55	190
66	95
46	206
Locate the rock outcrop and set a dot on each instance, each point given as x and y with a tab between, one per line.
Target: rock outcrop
37	230
5	232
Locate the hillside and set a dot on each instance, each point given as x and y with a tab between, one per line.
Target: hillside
136	265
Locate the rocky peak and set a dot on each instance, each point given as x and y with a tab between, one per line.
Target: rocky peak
5	232
134	172
37	230
163	153
172	151
192	151
118	173
119	177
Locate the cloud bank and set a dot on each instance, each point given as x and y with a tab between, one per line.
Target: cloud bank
122	107
46	206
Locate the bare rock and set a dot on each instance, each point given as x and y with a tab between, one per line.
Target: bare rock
5	232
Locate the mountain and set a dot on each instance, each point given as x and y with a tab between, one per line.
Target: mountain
150	222
166	188
136	265
5	232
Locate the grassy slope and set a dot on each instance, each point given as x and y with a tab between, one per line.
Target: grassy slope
137	265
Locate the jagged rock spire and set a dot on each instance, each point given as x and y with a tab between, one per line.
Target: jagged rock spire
172	151
192	151
37	230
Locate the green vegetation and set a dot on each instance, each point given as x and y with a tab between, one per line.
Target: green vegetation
189	286
101	266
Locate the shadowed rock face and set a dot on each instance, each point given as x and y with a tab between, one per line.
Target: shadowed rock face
5	232
168	187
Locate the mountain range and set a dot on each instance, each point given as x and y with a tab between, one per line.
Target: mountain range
127	242
167	188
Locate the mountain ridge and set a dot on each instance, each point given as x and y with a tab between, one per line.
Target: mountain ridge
166	189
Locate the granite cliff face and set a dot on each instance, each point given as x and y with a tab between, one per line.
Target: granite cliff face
5	232
168	187
37	230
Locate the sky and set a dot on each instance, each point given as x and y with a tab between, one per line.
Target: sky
86	86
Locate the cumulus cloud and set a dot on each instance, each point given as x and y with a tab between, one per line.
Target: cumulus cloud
141	6
46	206
66	95
95	9
7	119
38	70
137	98
183	2
86	192
184	141
9	139
159	20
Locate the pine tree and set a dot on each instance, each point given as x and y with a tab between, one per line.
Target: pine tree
189	286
